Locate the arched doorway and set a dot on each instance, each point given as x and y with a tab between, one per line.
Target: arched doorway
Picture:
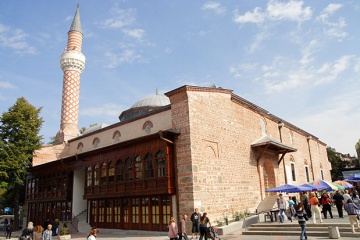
269	176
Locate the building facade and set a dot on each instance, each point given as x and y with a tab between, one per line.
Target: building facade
194	147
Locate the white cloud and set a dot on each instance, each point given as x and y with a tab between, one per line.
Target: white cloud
333	29
126	56
15	39
293	81
308	51
108	109
257	16
275	11
216	7
292	10
259	38
135	33
120	18
340	115
7	85
339	66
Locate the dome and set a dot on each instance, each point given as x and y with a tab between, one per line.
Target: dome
152	101
145	106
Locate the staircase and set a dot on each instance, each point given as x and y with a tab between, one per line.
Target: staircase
83	226
267	204
293	229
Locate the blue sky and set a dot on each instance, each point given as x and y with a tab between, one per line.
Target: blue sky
299	60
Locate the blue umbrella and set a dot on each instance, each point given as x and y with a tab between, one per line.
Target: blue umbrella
353	178
313	187
288	188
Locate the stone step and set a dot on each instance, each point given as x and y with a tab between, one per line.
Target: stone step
297	233
294	228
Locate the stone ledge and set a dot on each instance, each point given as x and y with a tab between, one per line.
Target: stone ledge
232	227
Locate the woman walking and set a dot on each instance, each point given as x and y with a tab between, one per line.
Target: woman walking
204	221
173	229
314	202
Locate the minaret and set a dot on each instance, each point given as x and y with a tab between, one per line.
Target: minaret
72	63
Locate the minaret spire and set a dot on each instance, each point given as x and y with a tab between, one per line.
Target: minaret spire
72	62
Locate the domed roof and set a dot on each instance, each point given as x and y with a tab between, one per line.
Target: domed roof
152	101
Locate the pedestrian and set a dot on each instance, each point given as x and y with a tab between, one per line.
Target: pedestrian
173	229
27	233
47	235
204	221
306	204
282	206
38	233
352	211
6	222
314	202
291	206
346	196
182	232
195	219
339	203
355	198
326	204
302	218
9	229
93	234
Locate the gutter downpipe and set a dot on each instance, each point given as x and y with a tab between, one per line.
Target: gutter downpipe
280	126
312	167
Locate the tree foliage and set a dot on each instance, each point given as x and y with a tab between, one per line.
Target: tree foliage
336	164
19	130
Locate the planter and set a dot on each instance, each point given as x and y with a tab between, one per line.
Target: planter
65	237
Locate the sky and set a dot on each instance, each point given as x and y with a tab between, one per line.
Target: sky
299	60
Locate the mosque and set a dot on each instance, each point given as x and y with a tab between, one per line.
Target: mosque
193	147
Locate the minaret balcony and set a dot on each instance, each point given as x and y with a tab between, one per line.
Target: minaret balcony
72	60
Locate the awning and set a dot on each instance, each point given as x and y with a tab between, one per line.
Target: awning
273	144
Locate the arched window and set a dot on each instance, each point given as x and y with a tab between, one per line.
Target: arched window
129	169
116	136
149	166
103	174
148	126
119	171
89	174
96	142
111	172
161	164
138	168
96	175
80	147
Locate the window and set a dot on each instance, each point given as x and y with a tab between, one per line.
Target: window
111	172
103	174
117	210
155	214
307	173
166	209
322	174
116	136
293	174
119	171
161	164
263	127
89	176
138	168
145	210
147	127
80	147
135	210
96	142
149	168
96	175
129	169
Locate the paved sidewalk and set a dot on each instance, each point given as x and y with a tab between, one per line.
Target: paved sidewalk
144	235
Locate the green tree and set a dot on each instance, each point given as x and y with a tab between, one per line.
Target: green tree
19	130
336	164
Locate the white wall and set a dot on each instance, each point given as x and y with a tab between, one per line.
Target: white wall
79	204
